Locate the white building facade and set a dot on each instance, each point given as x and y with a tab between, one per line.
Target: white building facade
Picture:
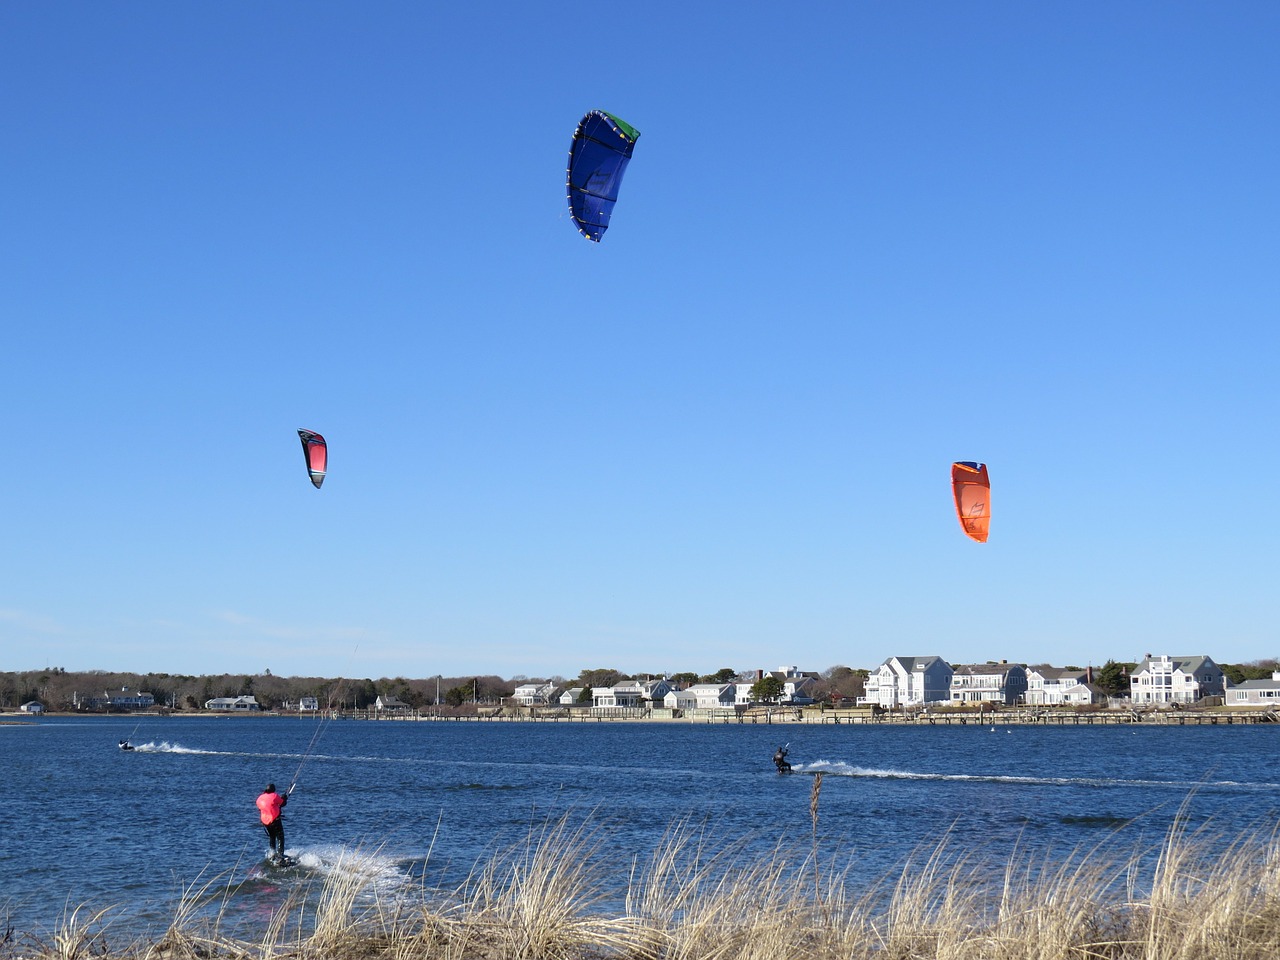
909	681
1167	679
1004	683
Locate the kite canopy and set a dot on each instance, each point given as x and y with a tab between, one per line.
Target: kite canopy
972	488
317	453
598	158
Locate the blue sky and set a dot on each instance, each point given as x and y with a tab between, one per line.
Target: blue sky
857	242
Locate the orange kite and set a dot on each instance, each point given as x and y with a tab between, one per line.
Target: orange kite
972	487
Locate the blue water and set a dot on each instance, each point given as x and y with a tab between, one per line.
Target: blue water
82	822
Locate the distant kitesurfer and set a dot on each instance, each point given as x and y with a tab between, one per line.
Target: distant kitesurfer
270	804
780	760
125	745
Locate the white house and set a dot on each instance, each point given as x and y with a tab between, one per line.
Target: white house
132	700
531	694
232	704
630	693
32	706
680	700
389	704
570	697
1255	693
1002	682
909	681
1048	686
1167	679
654	691
712	696
798	689
624	693
124	699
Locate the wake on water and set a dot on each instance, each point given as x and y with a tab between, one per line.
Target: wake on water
835	768
167	747
377	874
839	768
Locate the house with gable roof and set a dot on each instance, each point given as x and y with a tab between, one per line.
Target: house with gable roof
681	700
570	697
1262	692
534	694
1050	686
624	693
233	704
909	681
1167	679
711	696
631	693
1001	682
653	692
124	699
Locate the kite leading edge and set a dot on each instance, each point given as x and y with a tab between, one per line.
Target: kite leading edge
316	452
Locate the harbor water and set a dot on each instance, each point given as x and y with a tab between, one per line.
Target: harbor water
417	804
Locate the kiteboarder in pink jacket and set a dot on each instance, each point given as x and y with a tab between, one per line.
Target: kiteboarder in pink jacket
270	804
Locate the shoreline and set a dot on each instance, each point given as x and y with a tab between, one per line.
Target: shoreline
1217	716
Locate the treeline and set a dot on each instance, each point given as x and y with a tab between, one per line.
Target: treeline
61	690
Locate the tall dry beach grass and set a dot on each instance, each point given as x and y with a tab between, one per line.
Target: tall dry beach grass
694	898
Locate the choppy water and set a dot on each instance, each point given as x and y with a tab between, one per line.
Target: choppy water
82	822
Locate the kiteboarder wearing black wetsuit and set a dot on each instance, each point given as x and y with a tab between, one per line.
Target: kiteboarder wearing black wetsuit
780	760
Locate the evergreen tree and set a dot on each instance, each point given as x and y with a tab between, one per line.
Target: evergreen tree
767	689
1113	678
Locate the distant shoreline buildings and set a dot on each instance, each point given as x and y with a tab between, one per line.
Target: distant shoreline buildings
898	683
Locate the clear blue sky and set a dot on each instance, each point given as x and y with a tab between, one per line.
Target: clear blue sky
857	241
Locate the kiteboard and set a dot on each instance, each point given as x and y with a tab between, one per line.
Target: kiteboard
281	863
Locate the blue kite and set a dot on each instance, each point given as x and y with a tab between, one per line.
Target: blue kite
602	146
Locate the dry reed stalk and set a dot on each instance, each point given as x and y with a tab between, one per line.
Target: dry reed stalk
694	899
728	904
660	888
537	901
184	939
933	910
813	816
1209	902
1060	911
78	936
353	917
274	941
333	924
